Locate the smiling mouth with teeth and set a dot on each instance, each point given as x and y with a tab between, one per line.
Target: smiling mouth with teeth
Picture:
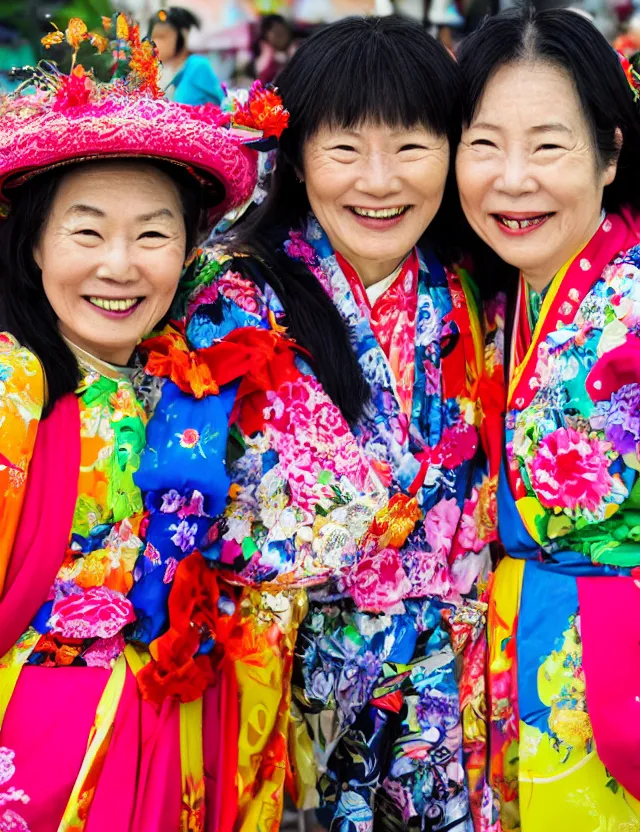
109	305
380	213
515	224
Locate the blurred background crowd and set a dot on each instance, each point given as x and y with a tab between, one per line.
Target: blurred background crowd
236	41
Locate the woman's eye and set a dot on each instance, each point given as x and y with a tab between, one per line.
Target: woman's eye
549	146
412	147
153	234
482	143
346	147
87	232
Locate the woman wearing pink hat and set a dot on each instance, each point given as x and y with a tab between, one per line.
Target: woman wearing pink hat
104	190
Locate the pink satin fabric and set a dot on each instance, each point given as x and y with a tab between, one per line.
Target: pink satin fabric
48	723
610	628
50	501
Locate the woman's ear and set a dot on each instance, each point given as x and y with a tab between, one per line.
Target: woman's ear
37	255
612	168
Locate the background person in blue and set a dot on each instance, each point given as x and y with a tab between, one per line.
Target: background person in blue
191	79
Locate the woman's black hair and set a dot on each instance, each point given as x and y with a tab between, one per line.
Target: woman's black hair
568	40
25	310
268	21
181	20
385	70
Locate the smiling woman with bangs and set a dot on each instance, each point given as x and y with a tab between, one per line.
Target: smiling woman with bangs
354	485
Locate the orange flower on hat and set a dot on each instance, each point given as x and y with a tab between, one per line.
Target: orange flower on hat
144	63
53	38
76	32
263	111
98	42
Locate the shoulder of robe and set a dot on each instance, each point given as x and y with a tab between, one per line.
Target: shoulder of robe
22	382
22	394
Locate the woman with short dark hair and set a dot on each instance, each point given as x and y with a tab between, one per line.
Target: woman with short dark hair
346	344
190	78
549	176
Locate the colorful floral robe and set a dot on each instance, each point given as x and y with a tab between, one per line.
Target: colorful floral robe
563	622
79	748
386	525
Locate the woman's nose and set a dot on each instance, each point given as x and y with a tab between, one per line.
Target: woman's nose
117	264
515	176
379	176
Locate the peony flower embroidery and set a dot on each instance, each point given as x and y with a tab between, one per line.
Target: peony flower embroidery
570	470
189	438
440	526
97	612
194	507
379	582
104	652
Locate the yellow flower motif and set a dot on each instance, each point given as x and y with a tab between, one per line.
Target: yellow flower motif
485	512
572	727
122	27
94	571
76	32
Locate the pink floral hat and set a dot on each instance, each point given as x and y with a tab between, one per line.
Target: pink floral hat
54	119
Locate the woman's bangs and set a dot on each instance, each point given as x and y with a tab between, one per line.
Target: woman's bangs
385	87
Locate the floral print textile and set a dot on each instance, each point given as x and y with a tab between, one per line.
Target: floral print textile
568	507
386	524
91	614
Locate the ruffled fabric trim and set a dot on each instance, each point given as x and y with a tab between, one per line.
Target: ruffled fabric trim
263	360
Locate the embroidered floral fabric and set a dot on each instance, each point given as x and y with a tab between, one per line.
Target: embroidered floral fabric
96	607
83	621
568	504
288	496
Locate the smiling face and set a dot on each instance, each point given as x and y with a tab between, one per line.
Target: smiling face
111	254
529	176
375	190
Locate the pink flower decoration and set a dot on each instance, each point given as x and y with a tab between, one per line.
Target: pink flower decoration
457	445
103	652
571	471
440	526
201	296
190	438
241	291
299	249
379	581
310	434
98	612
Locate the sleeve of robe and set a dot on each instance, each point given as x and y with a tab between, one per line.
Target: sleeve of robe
21	403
